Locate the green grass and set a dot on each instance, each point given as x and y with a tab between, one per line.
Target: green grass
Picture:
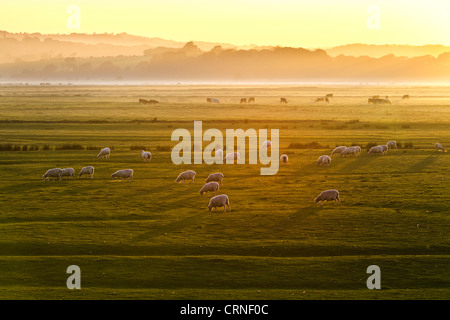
153	239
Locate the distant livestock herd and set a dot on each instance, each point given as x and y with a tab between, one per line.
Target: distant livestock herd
326	98
214	180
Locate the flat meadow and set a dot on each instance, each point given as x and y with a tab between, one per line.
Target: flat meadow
151	238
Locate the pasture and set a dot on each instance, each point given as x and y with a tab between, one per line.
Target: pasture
151	238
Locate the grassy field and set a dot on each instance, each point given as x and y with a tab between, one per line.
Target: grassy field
153	239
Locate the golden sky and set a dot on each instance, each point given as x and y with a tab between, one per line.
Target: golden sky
297	23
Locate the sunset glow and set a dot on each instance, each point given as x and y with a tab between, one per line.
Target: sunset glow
307	24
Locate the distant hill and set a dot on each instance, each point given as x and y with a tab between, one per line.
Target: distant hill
378	51
37	46
123	57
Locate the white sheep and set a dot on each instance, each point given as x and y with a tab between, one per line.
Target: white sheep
348	151
266	144
219	201
358	150
284	158
392	144
86	170
328	195
105	152
376	150
384	148
232	156
53	173
218	177
146	155
338	150
440	147
68	172
123	174
186	175
324	160
209	187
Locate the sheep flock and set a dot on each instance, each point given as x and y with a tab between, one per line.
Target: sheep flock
214	181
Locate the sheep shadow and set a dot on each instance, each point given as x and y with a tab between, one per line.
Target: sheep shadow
423	164
355	163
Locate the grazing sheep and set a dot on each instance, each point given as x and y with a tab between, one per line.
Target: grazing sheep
209	187
243	100
86	170
328	195
440	147
392	144
123	174
384	148
284	158
266	144
232	156
338	150
219	201
105	152
283	100
68	172
217	177
186	175
251	100
348	151
324	161
53	173
358	150
146	155
376	150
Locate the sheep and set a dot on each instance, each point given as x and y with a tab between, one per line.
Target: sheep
86	170
123	174
348	151
358	150
232	156
209	187
338	150
53	173
146	155
266	144
105	152
384	148
219	201
218	177
392	144
376	150
324	160
328	195
68	172
186	175
440	147
284	158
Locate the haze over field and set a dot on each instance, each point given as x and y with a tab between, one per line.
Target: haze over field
233	41
122	58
